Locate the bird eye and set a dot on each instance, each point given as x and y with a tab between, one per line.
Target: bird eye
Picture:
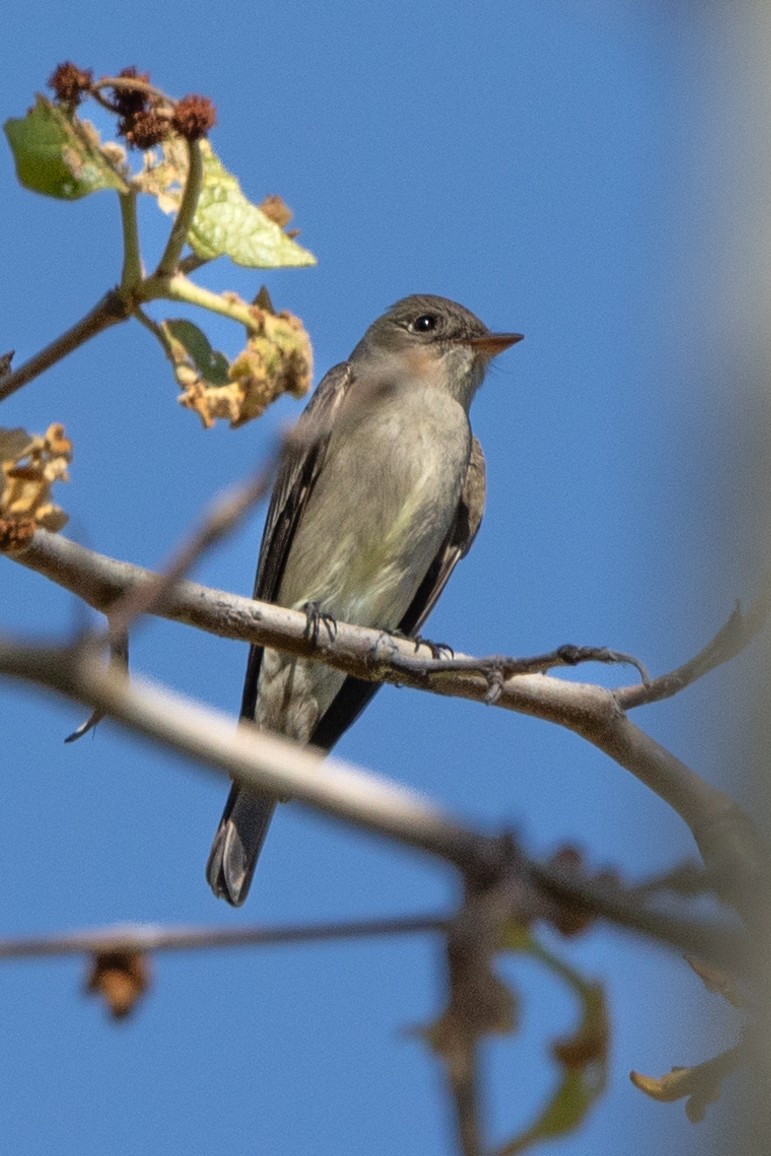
426	323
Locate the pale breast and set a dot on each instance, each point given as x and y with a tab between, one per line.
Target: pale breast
382	505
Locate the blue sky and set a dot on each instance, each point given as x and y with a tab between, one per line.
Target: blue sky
563	170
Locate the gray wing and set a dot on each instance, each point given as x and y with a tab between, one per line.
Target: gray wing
246	818
247	815
298	469
460	537
355	693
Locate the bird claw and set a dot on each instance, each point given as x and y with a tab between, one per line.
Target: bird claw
438	649
494	677
316	618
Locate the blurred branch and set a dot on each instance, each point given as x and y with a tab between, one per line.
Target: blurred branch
348	792
723	832
479	1003
256	758
222	517
730	640
152	937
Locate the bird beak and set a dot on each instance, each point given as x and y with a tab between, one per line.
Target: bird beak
491	344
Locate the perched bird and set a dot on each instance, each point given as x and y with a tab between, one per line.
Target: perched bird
378	495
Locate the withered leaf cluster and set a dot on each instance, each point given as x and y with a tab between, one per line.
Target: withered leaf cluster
29	467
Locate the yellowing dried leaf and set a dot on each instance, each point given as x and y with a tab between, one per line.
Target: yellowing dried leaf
225	223
29	466
213	401
164	177
121	978
699	1086
277	359
276	209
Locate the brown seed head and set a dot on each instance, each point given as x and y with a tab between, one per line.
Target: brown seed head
70	83
193	117
144	129
128	101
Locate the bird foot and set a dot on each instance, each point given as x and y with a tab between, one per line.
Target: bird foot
316	618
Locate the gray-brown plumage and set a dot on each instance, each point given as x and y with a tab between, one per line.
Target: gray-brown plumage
378	496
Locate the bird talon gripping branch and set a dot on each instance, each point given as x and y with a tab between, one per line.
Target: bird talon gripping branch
438	649
316	618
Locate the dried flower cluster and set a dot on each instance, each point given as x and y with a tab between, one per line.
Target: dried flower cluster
29	466
70	83
277	359
145	118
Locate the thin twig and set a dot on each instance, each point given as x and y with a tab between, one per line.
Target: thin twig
153	937
131	84
131	274
183	219
191	262
344	791
498	667
112	309
180	288
730	640
221	519
723	832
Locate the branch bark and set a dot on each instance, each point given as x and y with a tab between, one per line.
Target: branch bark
257	758
152	937
723	832
359	797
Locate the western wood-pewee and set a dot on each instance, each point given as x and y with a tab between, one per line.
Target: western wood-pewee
378	495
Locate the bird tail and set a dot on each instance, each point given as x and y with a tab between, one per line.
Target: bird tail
238	842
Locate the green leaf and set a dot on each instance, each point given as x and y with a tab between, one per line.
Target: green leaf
564	1112
582	1056
227	224
189	344
58	155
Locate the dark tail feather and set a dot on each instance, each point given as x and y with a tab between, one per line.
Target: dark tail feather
238	842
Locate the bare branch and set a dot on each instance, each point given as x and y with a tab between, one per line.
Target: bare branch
730	640
723	832
112	309
355	795
255	757
152	937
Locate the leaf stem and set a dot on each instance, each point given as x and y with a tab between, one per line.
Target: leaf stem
169	262
111	309
131	84
181	288
131	274
157	331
